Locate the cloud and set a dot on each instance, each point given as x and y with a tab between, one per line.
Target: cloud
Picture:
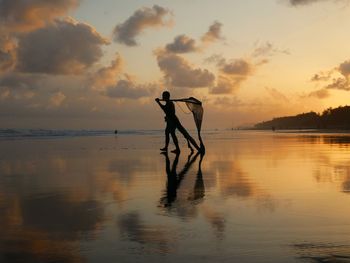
63	47
182	44
126	32
228	102
180	73
322	76
340	84
237	67
4	94
57	99
27	15
19	86
128	89
231	74
17	81
339	77
185	44
320	94
344	68
113	83
7	53
277	95
306	2
225	85
303	2
213	34
263	50
267	49
106	76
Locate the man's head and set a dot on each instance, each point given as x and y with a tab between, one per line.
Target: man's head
166	95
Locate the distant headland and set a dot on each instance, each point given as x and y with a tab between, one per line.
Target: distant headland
337	118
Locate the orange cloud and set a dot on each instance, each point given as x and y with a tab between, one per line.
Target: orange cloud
58	49
267	49
107	76
321	93
126	32
178	72
339	77
277	95
231	74
226	84
112	82
237	67
128	89
306	2
322	76
7	52
214	33
17	81
24	16
344	68
182	44
57	99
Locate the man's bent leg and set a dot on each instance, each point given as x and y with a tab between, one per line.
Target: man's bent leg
187	135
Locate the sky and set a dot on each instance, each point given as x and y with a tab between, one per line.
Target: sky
85	64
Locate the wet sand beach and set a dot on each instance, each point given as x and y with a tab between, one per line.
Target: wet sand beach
254	196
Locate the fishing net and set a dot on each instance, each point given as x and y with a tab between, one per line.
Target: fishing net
195	106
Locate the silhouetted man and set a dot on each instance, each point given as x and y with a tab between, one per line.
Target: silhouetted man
171	121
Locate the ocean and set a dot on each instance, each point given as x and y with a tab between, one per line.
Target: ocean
64	133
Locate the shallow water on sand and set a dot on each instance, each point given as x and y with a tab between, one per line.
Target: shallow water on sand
254	197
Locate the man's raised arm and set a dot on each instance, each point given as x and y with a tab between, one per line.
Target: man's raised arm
160	104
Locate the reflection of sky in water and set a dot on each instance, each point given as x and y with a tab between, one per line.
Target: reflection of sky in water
254	197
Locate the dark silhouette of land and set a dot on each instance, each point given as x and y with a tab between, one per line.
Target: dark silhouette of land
333	119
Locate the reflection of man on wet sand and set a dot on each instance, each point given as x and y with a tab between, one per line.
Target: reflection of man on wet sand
174	179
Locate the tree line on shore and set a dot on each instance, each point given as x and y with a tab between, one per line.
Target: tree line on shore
337	118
